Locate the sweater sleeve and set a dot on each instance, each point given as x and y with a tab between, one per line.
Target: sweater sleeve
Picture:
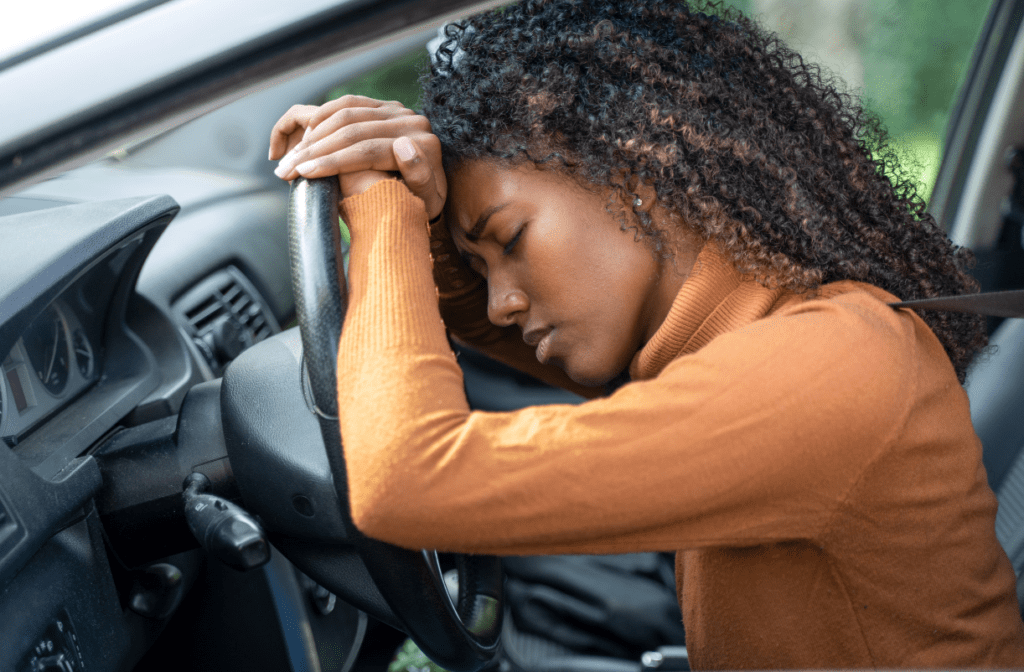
728	446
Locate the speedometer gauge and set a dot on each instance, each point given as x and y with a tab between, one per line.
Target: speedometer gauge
46	344
83	354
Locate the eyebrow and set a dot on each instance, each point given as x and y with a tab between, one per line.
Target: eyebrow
481	222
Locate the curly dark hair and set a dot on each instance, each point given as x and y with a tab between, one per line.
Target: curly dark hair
752	146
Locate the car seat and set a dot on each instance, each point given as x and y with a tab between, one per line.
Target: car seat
995	385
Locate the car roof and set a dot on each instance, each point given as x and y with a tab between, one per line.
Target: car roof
30	28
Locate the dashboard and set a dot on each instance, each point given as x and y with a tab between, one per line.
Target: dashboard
72	370
111	312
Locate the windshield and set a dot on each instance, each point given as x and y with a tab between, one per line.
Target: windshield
33	27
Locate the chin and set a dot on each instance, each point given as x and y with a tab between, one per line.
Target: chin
598	371
587	378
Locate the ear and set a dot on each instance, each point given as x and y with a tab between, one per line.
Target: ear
645	198
640	196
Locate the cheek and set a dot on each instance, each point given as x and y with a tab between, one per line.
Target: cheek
588	269
556	264
625	268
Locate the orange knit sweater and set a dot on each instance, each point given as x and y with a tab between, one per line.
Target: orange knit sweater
811	458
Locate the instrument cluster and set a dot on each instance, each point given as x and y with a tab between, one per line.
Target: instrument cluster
52	361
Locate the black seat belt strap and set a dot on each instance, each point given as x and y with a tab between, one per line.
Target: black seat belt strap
996	304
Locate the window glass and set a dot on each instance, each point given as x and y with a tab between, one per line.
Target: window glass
395	80
905	58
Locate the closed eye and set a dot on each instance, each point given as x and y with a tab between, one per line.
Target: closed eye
510	245
474	263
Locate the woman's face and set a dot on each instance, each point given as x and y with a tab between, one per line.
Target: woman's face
585	293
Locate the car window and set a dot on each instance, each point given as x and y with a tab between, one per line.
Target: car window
397	79
907	59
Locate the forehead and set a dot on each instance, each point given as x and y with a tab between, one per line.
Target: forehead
480	189
477	187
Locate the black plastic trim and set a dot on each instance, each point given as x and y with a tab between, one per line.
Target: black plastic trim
178	371
66	597
77	236
144	469
45	485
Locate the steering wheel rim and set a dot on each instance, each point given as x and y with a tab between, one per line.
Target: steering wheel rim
460	636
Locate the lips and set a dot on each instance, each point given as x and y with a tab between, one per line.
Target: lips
534	336
540	339
543	347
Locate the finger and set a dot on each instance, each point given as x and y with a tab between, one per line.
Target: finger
287	127
280	148
347	101
374	154
309	116
351	135
425	178
349	116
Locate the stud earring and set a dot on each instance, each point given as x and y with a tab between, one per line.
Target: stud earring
637	202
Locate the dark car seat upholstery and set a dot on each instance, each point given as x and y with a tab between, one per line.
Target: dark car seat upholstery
995	386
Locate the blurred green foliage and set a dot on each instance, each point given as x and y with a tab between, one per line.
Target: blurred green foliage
394	80
409	658
744	6
916	54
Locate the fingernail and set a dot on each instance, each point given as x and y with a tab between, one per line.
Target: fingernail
281	171
306	167
288	162
404	149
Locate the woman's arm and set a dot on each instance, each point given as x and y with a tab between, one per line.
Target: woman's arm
750	440
757	437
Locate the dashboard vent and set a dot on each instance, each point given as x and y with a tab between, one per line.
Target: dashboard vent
224	315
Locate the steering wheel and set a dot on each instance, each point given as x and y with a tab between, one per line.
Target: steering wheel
459	635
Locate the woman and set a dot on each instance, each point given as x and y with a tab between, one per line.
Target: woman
674	214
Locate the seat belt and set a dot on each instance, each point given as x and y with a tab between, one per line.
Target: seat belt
997	304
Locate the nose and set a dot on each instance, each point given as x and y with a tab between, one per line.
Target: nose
506	303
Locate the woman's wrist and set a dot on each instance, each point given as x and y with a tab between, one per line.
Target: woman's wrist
382	196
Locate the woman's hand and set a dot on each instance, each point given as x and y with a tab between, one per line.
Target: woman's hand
362	141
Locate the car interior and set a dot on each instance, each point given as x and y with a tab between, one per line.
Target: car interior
168	486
